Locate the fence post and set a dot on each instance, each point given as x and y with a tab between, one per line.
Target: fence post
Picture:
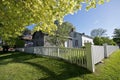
35	51
105	50
89	57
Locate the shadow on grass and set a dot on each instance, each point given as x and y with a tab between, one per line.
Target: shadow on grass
67	74
67	70
15	57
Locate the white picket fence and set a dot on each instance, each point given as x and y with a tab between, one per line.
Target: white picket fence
86	57
73	55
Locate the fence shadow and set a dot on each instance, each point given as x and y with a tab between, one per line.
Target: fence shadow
67	70
15	57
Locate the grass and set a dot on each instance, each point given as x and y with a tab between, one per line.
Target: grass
21	66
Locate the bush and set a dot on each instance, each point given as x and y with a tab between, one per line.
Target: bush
19	43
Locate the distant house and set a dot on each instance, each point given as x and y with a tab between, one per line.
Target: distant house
39	39
77	40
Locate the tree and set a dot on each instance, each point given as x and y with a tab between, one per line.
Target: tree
19	43
98	32
98	41
62	34
116	33
116	36
103	40
17	40
15	15
108	41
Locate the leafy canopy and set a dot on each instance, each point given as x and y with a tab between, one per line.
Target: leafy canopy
61	35
16	14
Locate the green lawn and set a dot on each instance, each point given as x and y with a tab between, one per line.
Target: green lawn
21	66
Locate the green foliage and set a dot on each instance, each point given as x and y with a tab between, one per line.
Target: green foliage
98	41
117	40
15	15
116	36
100	32
108	41
62	34
10	42
19	43
103	40
116	33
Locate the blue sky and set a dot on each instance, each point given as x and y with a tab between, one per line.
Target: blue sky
106	16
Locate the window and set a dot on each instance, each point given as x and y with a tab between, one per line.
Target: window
76	43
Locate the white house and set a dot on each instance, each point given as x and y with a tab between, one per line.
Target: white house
78	40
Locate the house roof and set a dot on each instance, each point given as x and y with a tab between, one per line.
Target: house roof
83	34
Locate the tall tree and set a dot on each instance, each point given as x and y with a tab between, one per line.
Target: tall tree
16	14
116	36
62	34
100	32
116	33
